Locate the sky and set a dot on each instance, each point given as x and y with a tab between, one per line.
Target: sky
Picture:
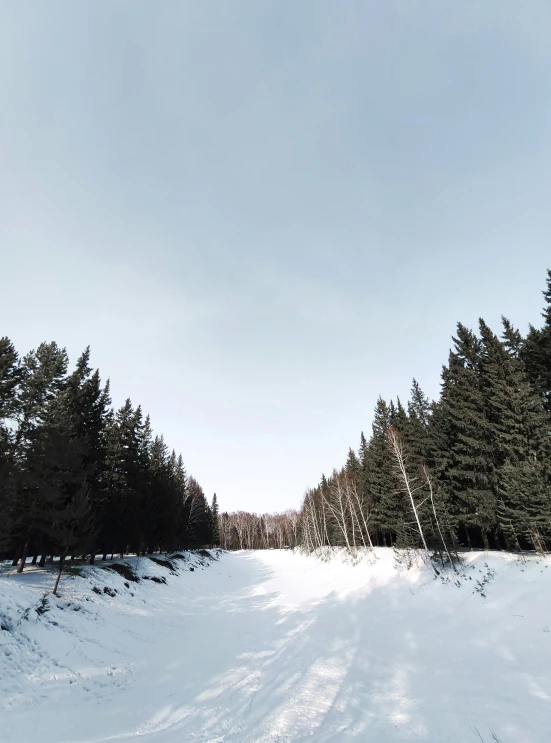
263	215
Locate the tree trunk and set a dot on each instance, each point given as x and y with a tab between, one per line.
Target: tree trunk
61	563
17	555
485	539
23	558
42	560
35	558
92	558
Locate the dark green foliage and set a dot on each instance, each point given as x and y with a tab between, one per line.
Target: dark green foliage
536	352
215	529
478	460
464	457
417	427
10	375
379	484
76	477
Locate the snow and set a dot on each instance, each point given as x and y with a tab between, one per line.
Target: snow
273	646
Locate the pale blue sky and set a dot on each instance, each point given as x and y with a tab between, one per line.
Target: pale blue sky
262	215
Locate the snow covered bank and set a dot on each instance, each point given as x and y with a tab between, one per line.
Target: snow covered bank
277	646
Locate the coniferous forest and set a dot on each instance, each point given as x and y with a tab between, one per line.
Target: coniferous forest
81	479
470	470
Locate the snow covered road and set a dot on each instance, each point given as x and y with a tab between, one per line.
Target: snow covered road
275	646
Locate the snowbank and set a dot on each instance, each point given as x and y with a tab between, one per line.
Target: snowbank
278	646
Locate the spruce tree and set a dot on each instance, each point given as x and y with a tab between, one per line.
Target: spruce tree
464	459
121	480
536	351
417	430
379	480
10	378
520	437
353	466
398	416
75	477
88	404
215	530
180	483
40	448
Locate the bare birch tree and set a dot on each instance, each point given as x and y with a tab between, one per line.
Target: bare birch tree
396	442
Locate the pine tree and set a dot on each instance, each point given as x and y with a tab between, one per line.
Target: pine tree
41	449
464	459
417	429
353	466
41	376
536	351
74	476
89	407
121	480
180	485
155	506
215	530
10	378
398	416
520	434
379	479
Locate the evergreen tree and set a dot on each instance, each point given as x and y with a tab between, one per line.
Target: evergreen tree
379	480
417	429
536	351
215	531
520	435
353	466
158	495
74	476
121	480
464	459
89	407
10	377
398	416
41	457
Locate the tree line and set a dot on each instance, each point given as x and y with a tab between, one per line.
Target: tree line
82	479
248	531
469	470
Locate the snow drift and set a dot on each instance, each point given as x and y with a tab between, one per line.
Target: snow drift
278	646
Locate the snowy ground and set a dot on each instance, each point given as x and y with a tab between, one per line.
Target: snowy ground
275	646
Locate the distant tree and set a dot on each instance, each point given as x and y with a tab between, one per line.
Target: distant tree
215	530
519	427
536	351
75	476
417	427
10	378
465	462
379	479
